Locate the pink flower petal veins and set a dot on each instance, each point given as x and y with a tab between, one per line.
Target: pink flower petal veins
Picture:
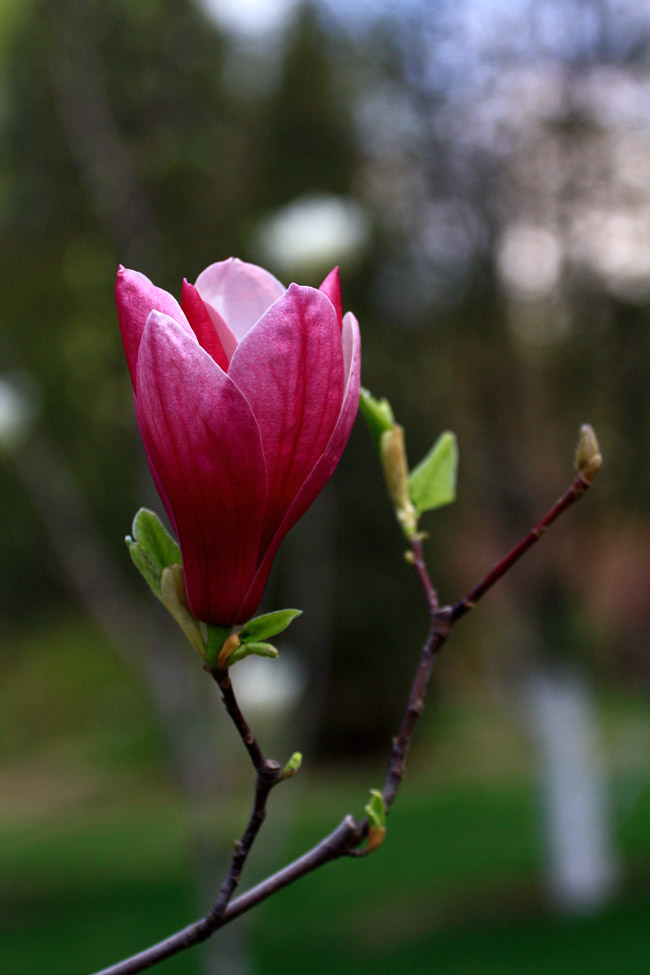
322	470
200	432
290	369
239	292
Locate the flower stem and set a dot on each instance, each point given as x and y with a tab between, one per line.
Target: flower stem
222	678
268	775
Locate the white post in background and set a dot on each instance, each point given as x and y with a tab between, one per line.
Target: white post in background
582	865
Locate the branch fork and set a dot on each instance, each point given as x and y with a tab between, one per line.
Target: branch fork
347	838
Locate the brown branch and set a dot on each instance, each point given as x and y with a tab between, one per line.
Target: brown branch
580	485
349	834
439	630
416	558
268	775
222	677
346	836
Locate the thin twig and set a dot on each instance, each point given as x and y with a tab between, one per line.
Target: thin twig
349	834
336	844
439	630
268	775
417	560
222	677
579	486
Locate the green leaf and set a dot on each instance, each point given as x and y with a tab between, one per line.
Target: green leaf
378	415
151	534
252	649
149	569
152	548
375	810
263	627
432	483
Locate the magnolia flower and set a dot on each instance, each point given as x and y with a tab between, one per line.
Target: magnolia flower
245	395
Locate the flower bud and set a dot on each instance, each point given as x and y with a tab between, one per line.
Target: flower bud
393	458
588	457
238	450
292	766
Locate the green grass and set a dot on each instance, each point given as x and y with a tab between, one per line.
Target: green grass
95	844
454	890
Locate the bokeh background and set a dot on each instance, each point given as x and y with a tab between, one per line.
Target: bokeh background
481	172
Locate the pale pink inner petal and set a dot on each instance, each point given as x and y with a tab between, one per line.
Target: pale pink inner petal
351	344
204	448
239	292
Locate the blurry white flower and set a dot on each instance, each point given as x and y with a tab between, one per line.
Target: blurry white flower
18	409
312	233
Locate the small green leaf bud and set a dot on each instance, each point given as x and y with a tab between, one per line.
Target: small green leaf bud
375	810
292	766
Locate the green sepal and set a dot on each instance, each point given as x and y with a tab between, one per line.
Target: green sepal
173	597
152	548
263	627
217	636
375	809
378	415
292	766
251	649
432	483
150	570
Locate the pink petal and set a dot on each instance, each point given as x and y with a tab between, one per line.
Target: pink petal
204	448
136	296
322	470
202	326
239	292
290	369
331	287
